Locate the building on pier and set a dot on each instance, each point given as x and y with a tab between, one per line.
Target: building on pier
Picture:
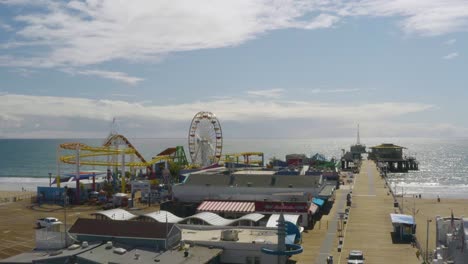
351	159
391	157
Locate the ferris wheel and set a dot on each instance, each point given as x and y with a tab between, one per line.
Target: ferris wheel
205	139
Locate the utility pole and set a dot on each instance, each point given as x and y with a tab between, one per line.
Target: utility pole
402	200
65	198
427	240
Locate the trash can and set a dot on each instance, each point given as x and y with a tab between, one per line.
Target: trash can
130	203
395	204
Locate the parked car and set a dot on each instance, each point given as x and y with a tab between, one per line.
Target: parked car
47	221
355	257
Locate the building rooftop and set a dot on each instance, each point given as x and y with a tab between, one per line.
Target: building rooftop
243	179
133	229
387	146
207	217
116	214
102	254
47	256
245	235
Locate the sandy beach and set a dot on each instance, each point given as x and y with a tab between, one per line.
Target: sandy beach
428	209
17	229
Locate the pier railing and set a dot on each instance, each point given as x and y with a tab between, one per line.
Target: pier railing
416	244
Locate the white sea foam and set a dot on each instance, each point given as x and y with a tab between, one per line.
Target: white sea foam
18	183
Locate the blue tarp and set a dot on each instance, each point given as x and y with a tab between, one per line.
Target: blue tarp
402	219
318	202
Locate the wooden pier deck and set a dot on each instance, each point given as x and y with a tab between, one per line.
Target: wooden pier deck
368	228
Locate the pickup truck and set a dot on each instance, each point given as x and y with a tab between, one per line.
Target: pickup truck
47	221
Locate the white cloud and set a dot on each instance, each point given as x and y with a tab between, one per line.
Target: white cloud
116	76
92	32
428	17
322	21
450	42
22	71
317	91
236	109
81	117
5	27
272	93
76	34
79	33
450	56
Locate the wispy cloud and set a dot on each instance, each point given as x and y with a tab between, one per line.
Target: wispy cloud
428	17
450	56
79	33
322	21
271	93
450	42
317	91
22	71
77	117
112	75
230	109
5	27
123	95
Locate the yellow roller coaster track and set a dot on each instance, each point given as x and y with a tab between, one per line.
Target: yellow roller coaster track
127	142
106	151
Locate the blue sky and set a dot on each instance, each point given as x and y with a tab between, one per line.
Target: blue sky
265	68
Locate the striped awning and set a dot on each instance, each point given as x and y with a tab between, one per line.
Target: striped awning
226	206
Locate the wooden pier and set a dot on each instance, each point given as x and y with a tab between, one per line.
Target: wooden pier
368	227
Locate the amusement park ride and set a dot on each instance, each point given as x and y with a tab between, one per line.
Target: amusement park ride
205	144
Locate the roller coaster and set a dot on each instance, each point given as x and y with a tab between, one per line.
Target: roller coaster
244	158
110	148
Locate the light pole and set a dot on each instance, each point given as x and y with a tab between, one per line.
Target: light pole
427	239
65	198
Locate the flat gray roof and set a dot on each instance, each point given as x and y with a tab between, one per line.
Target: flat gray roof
245	235
196	254
43	256
254	180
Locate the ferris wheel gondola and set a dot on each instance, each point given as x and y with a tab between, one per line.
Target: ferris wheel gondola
205	139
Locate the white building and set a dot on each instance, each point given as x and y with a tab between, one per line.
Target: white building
451	240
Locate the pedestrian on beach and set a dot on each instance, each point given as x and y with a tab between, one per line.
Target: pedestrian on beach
438	198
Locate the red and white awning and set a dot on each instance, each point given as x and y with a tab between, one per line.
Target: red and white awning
226	206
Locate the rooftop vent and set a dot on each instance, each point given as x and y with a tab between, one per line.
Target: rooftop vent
109	245
84	244
229	235
249	184
74	246
120	251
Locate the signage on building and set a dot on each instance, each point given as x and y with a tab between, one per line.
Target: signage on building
144	187
281	207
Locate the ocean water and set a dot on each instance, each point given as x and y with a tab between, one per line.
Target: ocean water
443	163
